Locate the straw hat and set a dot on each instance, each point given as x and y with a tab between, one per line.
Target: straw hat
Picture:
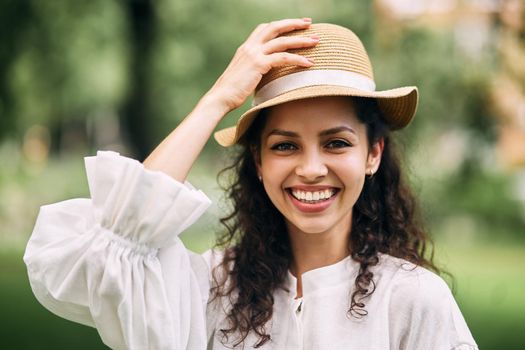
342	68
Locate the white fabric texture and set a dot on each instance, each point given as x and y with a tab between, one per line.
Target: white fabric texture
115	262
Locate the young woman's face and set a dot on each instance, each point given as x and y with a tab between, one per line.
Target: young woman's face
313	160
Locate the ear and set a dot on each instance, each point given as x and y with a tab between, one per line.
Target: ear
374	156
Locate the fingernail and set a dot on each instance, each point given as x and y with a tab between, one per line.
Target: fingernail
307	19
314	38
311	60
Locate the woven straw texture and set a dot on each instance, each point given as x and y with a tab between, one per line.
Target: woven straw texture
338	49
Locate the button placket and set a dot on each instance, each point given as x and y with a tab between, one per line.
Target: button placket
299	305
298	310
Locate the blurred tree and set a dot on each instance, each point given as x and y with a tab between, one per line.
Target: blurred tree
453	136
136	115
69	65
15	17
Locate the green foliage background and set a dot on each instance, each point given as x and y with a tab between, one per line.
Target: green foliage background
73	67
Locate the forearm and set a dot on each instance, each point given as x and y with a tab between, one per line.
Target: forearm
176	154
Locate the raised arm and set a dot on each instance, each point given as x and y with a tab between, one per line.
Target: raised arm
256	56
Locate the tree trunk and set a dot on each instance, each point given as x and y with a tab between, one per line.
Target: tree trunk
135	116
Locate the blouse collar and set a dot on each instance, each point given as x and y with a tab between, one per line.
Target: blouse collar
324	277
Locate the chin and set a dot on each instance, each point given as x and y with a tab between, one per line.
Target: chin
312	228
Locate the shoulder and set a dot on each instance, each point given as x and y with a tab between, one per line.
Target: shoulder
423	313
411	286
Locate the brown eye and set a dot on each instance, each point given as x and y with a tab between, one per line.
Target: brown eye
335	144
283	147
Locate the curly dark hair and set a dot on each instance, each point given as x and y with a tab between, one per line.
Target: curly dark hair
385	219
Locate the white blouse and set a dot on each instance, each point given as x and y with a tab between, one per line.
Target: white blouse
115	262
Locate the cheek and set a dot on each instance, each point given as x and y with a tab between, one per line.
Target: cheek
351	173
276	169
276	172
274	176
349	168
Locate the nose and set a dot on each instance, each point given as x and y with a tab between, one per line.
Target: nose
311	166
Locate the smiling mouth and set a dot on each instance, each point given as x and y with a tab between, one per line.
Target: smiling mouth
313	197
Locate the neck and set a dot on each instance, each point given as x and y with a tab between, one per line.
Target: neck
314	250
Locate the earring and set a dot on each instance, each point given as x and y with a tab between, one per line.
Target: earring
260	177
370	174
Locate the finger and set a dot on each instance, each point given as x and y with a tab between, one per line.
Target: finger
256	32
284	43
276	28
288	59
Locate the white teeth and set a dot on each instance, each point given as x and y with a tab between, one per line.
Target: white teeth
313	196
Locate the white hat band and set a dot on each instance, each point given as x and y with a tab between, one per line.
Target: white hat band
310	78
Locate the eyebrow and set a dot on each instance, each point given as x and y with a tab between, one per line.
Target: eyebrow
336	130
326	132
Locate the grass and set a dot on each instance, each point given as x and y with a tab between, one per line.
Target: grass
490	290
25	324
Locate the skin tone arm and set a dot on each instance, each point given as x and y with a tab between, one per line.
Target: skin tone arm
263	50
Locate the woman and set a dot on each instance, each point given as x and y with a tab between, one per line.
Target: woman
322	249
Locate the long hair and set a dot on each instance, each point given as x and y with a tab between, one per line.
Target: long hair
256	245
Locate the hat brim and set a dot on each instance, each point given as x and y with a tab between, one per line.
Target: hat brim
398	106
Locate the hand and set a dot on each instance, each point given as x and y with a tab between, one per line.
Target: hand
263	50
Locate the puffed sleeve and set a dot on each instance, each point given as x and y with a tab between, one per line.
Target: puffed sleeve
425	314
115	261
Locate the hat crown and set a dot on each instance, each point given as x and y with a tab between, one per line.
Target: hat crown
338	49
